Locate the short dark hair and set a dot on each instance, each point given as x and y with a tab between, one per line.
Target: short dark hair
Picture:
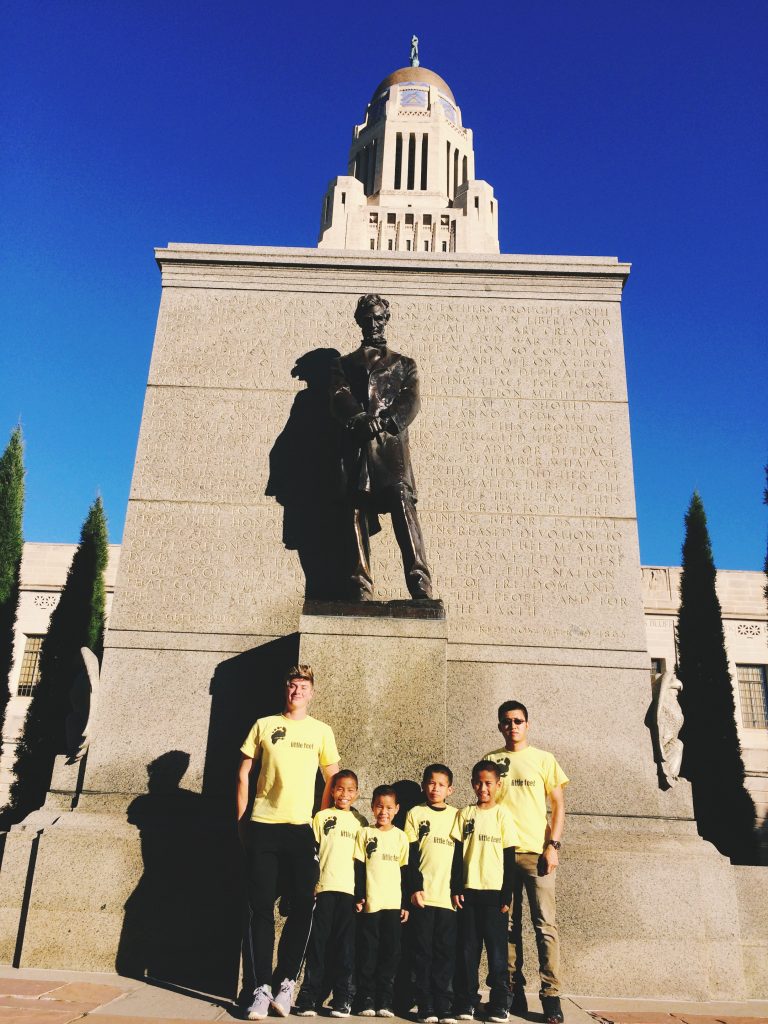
345	773
437	769
486	766
369	301
384	791
512	705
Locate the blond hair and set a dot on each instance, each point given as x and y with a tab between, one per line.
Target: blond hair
300	672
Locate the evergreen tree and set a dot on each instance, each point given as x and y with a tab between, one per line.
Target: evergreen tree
77	621
11	547
712	761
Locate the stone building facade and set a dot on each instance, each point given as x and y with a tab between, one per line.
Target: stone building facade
43	573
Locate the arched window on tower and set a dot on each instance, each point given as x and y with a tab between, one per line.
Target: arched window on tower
464	171
424	156
455	171
448	169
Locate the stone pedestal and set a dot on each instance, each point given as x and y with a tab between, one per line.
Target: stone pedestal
382	681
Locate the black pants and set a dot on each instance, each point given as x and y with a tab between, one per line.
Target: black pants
433	938
481	921
333	930
401	505
379	955
287	851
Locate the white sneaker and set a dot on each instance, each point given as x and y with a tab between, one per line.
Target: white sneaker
283	1001
260	1003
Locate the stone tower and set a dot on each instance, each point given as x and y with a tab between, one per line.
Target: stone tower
411	184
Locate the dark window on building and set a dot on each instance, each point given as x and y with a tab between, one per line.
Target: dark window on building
411	160
398	160
409	218
445	247
424	158
30	666
427	220
754	696
658	667
390	218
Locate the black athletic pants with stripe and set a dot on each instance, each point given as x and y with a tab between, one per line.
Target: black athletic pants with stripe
332	941
275	853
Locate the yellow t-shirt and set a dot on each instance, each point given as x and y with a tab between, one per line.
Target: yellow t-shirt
335	833
528	776
431	829
383	853
290	751
485	833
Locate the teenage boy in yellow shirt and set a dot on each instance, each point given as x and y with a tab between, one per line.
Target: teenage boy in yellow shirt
333	922
486	838
381	861
433	917
529	778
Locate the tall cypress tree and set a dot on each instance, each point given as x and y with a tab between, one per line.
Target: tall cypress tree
77	621
11	547
712	761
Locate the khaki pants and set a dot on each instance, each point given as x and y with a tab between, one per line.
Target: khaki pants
540	890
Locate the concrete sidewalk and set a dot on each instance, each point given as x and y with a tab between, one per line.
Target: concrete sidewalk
29	996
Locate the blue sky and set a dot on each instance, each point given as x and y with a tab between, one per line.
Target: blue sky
635	130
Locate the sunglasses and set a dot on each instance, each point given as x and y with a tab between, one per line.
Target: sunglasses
509	722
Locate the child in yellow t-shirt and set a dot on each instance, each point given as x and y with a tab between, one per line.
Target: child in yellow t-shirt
381	860
333	920
433	918
484	862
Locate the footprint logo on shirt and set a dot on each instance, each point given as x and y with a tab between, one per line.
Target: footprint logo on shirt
503	767
370	846
278	734
469	827
328	824
424	827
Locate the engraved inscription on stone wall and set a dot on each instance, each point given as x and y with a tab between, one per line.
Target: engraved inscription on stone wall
482	455
521	454
498	348
504	579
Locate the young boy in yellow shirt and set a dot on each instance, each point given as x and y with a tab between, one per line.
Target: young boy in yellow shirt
433	917
381	860
333	921
484	862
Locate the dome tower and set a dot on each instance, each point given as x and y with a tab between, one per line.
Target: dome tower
410	184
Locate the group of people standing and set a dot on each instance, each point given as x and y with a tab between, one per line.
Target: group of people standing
452	875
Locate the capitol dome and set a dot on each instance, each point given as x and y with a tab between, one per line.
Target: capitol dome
422	76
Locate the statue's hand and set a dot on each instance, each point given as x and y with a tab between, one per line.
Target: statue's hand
375	426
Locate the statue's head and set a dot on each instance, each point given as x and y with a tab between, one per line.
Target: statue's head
372	316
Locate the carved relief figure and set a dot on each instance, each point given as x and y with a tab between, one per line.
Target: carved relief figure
375	395
667	722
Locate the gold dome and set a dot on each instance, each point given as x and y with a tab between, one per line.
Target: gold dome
422	75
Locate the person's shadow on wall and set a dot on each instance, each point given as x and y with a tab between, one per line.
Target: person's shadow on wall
305	478
183	923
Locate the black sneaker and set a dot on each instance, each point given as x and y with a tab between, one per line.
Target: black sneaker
518	1003
497	1014
553	1011
448	1017
465	1013
339	1008
385	1011
367	1009
427	1016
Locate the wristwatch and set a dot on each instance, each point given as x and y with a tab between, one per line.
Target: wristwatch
555	843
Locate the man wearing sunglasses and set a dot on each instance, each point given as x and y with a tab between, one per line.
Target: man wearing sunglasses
529	778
